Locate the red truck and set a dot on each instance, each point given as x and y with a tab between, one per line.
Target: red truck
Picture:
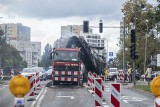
67	66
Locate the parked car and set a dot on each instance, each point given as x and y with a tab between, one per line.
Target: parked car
41	72
49	74
137	75
27	72
112	73
155	74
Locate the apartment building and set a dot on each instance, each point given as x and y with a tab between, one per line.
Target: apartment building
19	36
71	30
17	31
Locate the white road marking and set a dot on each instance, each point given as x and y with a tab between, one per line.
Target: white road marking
37	98
90	91
107	89
40	99
3	86
127	99
66	97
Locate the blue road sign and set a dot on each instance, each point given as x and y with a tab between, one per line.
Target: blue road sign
110	53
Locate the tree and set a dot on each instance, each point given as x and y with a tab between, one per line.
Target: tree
46	62
143	11
10	56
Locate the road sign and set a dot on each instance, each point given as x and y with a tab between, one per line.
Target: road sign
19	86
110	53
110	59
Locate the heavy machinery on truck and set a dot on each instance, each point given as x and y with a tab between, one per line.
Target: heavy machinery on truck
67	66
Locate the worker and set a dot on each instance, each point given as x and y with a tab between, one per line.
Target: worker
106	73
130	73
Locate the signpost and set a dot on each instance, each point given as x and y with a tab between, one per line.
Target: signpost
110	53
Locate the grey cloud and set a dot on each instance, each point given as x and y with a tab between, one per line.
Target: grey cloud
63	8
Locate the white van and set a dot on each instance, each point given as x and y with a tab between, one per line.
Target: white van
112	73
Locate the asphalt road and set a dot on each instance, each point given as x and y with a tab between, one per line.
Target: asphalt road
67	96
130	97
7	99
72	96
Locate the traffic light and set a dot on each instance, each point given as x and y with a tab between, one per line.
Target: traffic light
85	26
100	27
134	54
133	50
133	36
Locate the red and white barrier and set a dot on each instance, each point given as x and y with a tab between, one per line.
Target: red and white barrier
89	83
98	92
157	102
12	73
127	77
31	92
35	85
93	83
103	81
115	95
38	80
120	76
1	74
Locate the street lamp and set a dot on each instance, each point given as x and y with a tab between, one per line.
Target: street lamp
107	54
145	49
0	54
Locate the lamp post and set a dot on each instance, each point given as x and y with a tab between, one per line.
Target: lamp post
145	49
107	55
0	48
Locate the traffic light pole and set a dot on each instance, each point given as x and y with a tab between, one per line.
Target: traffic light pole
124	34
134	61
133	76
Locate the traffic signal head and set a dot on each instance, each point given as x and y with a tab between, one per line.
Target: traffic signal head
132	50
101	27
133	53
85	26
133	36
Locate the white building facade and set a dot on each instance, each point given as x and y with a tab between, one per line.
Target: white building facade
19	36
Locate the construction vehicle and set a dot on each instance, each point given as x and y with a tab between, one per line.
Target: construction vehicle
67	66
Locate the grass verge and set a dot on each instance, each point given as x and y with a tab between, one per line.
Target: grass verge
145	88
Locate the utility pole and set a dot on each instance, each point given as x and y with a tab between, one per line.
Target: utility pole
0	47
124	34
134	61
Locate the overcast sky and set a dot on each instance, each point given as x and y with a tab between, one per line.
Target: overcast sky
45	17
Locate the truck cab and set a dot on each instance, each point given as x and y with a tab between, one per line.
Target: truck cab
67	66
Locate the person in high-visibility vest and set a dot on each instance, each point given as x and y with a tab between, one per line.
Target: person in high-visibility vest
106	73
130	73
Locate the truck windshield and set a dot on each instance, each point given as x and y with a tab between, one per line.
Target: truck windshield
66	56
